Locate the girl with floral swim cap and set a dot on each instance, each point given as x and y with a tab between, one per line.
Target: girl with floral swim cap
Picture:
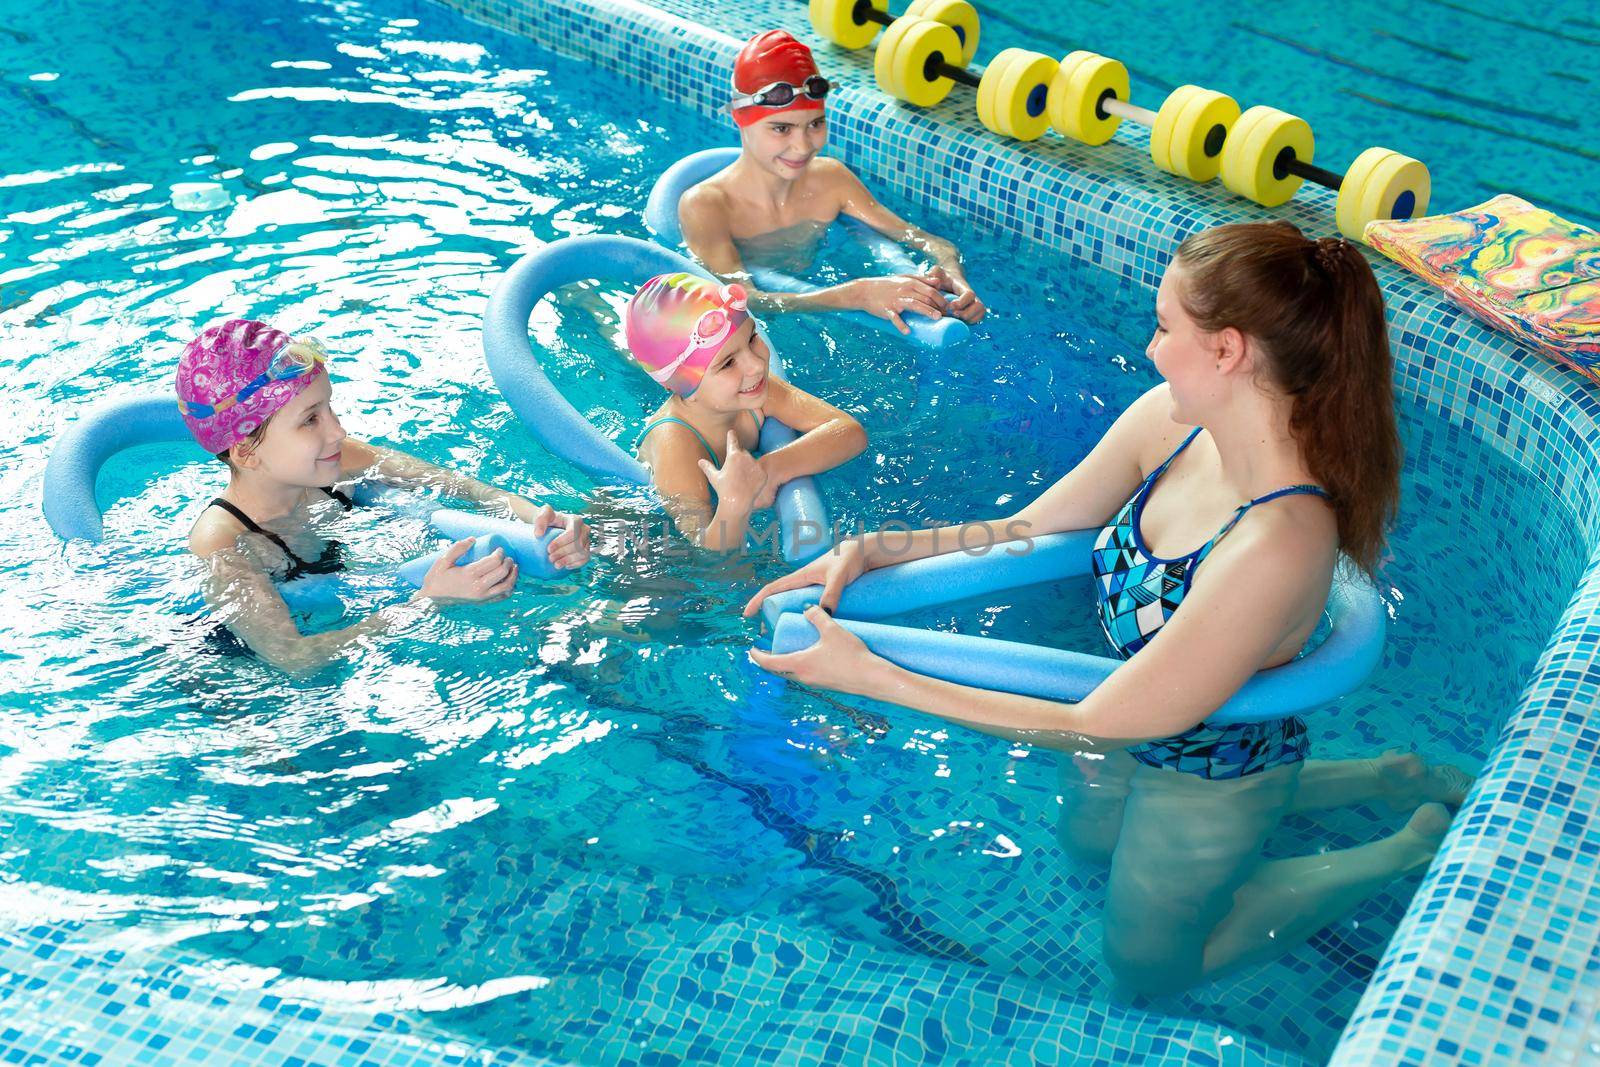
697	339
260	401
782	191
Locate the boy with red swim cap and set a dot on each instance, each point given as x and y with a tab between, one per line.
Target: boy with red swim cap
780	192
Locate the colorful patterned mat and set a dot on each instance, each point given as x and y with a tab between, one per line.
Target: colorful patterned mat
1521	268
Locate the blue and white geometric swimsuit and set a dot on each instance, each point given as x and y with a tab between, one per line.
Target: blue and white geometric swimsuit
1137	593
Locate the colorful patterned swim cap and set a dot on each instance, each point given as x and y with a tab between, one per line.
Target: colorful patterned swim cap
221	362
676	323
773	56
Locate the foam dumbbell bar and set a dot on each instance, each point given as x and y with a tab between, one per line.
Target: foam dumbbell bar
1270	153
1089	99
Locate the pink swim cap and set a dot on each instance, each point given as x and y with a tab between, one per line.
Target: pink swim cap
223	360
676	323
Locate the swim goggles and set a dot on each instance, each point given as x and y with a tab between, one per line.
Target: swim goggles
293	359
713	327
782	94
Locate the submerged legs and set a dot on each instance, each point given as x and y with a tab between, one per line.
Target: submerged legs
1190	894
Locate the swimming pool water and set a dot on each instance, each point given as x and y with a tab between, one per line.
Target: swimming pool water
578	823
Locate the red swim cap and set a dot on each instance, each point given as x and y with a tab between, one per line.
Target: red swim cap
773	56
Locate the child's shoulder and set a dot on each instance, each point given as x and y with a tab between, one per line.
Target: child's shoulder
212	532
667	431
711	195
832	167
830	171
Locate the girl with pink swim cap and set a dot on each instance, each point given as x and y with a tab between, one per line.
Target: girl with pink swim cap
696	338
781	191
260	401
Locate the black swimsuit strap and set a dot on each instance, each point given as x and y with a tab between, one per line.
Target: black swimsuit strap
297	565
255	527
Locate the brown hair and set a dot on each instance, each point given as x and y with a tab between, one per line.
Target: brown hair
250	440
1315	309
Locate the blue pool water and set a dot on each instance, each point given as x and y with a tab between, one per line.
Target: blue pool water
574	822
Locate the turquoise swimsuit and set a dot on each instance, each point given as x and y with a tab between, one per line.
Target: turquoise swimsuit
697	435
1137	594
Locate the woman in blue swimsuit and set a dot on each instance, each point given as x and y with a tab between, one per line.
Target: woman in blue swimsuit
1224	497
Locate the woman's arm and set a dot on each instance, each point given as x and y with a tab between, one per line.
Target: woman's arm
1090	493
828	436
1253	596
1083	498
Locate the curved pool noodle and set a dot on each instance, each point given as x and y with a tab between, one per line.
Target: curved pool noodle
661	215
73	510
84	447
560	426
1337	666
946	578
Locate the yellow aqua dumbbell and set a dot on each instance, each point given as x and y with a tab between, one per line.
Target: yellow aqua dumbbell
1269	154
916	63
854	23
1084	96
1089	99
1381	184
1014	94
1190	130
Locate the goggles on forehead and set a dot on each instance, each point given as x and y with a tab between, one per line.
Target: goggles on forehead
782	94
711	329
293	359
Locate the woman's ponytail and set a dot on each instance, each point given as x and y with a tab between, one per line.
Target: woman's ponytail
1315	309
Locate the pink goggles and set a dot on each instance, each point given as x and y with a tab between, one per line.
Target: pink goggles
711	329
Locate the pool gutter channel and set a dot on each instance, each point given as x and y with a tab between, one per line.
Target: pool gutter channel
1440	983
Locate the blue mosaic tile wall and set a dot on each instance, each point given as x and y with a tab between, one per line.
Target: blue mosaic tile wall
67	997
1496	960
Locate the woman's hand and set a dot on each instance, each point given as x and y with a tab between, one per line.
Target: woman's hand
490	578
742	479
833	571
966	306
891	297
839	660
